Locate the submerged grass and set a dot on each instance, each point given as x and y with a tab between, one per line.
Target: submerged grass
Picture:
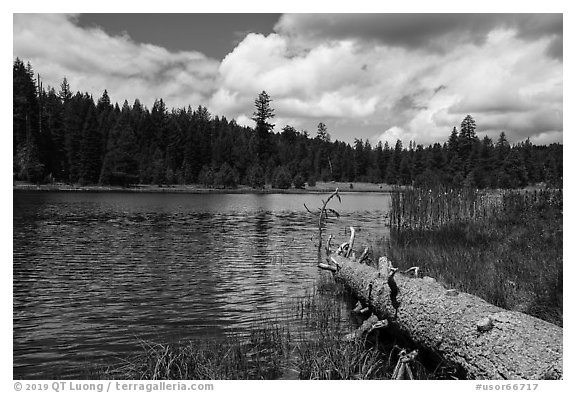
505	248
275	350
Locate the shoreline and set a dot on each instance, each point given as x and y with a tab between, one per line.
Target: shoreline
321	188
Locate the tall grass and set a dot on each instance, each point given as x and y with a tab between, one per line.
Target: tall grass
276	350
260	357
504	247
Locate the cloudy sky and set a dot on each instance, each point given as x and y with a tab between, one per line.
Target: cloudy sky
376	76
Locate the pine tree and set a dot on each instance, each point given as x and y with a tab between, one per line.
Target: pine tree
323	133
120	164
485	165
393	170
75	111
261	115
65	93
255	176
468	128
502	149
453	145
90	149
25	119
404	170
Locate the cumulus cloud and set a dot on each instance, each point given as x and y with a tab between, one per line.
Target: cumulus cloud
326	82
386	92
377	77
93	60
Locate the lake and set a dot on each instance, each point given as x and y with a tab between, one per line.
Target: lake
95	274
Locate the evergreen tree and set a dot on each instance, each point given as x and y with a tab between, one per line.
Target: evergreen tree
75	112
25	111
226	177
299	181
261	115
120	164
485	164
467	144
206	176
90	150
255	176
453	147
323	133
65	93
404	170
502	149
282	178
393	170
468	128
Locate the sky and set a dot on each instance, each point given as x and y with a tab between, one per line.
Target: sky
380	77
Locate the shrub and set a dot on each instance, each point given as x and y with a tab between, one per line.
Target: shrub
226	177
206	176
255	176
282	178
299	181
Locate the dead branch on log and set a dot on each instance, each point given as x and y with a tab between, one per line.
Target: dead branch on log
402	370
393	290
413	269
323	214
335	262
364	255
345	248
329	245
323	211
324	266
368	326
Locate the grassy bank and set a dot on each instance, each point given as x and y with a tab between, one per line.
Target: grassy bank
275	351
320	187
503	247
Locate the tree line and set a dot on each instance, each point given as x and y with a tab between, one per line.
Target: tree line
61	136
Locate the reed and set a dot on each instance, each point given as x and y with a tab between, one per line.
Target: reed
504	247
425	209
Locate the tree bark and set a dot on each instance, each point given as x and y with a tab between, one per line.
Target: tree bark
486	341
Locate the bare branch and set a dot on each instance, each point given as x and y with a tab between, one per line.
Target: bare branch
413	269
364	255
335	262
324	266
329	245
350	242
311	212
324	213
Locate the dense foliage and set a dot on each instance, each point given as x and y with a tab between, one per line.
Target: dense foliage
61	136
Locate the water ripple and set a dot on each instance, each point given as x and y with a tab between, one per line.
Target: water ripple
94	274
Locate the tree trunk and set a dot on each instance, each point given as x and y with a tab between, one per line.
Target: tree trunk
486	341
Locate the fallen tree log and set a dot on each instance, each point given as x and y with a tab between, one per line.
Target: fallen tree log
485	341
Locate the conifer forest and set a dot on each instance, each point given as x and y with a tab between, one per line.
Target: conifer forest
70	137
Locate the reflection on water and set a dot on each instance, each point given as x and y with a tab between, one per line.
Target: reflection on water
96	273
